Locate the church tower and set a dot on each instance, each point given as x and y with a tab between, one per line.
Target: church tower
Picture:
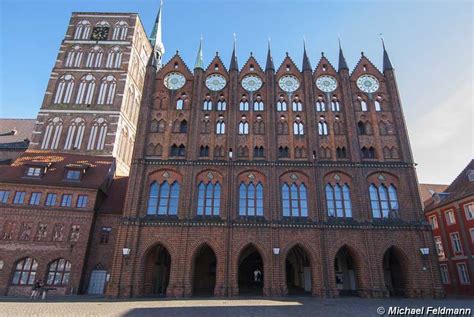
92	100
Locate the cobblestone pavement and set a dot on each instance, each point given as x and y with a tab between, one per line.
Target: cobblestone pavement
216	307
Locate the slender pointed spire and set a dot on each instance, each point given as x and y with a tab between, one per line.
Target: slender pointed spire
306	63
269	65
387	64
199	59
342	60
156	40
233	61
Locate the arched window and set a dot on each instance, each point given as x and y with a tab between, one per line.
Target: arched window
163	198
338	200
183	126
209	199
74	57
335	106
296	105
251	199
219	151
361	128
25	272
258	104
206	125
59	272
83	30
259	126
220	127
378	107
283	151
97	134
221	104
243	127
114	58
382	128
341	152
244	104
120	31
298	128
282	127
320	105
64	90
294	200
258	151
368	153
52	134
75	134
94	58
207	104
325	152
300	152
243	151
86	90
281	104
384	202
363	106
107	90
323	128
179	104
178	150
204	151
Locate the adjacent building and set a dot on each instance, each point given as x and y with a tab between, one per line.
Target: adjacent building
15	136
451	215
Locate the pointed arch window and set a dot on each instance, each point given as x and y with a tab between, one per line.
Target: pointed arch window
283	152
377	105
338	201
204	151
114	58
179	151
25	272
219	151
179	104
320	105
294	200
341	152
297	105
300	152
59	272
258	151
94	58
52	134
75	134
384	202
298	128
107	90
163	198
86	90
363	105
282	127
335	105
74	57
64	89
244	104
281	104
323	128
221	104
207	104
120	31
83	30
251	199
258	104
259	126
97	134
243	127
243	152
220	127
209	199
368	153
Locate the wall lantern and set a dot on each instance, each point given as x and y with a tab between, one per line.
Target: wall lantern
425	251
276	251
126	251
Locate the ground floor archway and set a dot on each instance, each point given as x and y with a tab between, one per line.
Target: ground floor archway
298	271
345	272
157	271
394	268
251	272
204	278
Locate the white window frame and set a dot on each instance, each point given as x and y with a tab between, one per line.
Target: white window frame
434	222
439	246
33	172
450	218
444	274
469	210
454	244
463	273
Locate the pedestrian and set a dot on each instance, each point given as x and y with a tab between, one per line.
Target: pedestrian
257	275
35	290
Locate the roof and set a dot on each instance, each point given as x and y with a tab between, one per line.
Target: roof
115	200
14	132
460	188
97	175
427	190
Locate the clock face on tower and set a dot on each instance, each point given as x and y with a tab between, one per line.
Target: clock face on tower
368	83
251	83
289	83
174	81
100	33
215	82
326	83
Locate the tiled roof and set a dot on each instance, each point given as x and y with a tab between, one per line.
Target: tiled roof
461	187
14	132
100	171
427	190
115	197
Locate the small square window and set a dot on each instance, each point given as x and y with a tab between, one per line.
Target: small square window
4	196
50	200
34	171
73	175
66	200
35	199
19	197
469	209
81	201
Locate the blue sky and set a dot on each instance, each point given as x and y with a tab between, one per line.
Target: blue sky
430	44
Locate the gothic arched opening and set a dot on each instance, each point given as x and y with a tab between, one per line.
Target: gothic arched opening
157	271
345	272
204	279
251	274
394	269
298	271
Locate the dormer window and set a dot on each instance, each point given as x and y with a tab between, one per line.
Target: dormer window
73	175
75	171
34	172
36	169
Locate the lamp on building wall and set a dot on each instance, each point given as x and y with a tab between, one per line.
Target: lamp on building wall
1	264
276	251
425	251
126	252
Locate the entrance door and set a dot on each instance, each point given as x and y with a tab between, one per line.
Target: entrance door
97	282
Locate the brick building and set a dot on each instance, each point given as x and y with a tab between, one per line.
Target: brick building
251	180
451	215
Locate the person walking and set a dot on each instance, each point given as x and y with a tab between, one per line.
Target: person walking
35	290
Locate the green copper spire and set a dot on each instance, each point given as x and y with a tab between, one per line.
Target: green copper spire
199	60
156	40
